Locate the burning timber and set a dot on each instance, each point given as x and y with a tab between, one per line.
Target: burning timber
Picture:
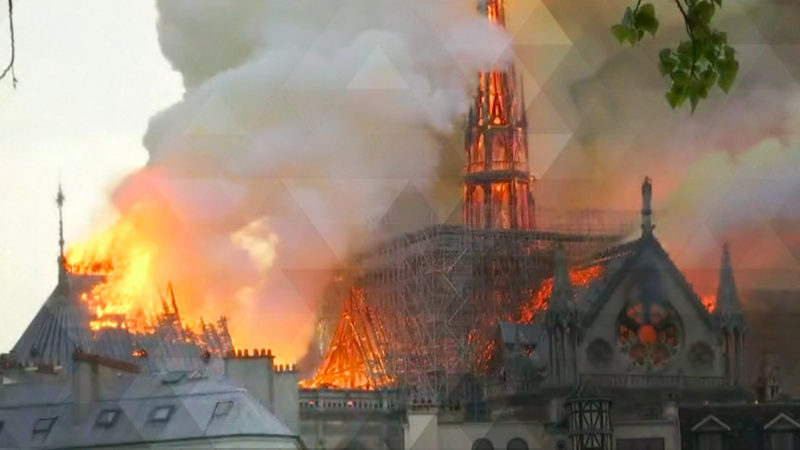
72	318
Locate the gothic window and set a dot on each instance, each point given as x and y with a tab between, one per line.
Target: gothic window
701	356
648	332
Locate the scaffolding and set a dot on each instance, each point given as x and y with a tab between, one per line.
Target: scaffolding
438	294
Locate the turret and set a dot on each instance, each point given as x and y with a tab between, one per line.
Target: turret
729	318
561	318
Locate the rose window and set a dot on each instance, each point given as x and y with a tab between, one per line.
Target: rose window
649	333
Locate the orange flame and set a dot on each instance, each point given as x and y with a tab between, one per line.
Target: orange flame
580	277
355	359
709	301
124	258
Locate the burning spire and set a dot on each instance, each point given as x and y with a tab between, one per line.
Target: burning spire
497	185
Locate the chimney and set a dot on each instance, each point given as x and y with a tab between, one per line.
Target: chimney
88	373
255	373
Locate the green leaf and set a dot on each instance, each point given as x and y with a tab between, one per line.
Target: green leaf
680	77
685	53
667	61
730	53
709	77
703	12
645	19
623	33
676	97
719	38
728	69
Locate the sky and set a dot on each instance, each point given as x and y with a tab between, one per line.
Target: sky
90	76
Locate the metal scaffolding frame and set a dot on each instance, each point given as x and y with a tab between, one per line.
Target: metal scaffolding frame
439	292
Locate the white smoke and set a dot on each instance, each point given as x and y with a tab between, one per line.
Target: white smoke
301	122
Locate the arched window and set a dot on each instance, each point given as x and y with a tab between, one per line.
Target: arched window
482	444
517	444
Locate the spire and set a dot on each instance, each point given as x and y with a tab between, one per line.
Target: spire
497	184
62	260
561	308
171	294
496	12
728	311
647	212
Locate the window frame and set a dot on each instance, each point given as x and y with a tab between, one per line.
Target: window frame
153	416
222	404
110	423
44	431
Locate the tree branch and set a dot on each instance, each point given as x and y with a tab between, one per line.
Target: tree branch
10	66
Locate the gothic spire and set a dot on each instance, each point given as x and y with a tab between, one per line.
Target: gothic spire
728	310
62	261
561	308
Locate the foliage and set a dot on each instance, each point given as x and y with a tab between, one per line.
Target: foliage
696	64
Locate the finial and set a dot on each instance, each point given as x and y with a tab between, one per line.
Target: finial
647	212
62	261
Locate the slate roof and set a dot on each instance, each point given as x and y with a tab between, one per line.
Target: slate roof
58	329
191	398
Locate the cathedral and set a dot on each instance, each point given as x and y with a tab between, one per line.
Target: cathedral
489	334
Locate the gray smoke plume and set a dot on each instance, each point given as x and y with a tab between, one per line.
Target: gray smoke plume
301	122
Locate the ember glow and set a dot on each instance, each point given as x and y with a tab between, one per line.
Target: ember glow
355	359
709	301
580	277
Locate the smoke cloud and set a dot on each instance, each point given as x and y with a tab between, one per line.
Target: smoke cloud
728	172
302	121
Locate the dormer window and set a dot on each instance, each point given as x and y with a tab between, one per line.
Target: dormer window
709	433
161	414
782	432
223	408
42	428
107	418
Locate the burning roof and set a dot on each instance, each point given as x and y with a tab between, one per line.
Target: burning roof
355	359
